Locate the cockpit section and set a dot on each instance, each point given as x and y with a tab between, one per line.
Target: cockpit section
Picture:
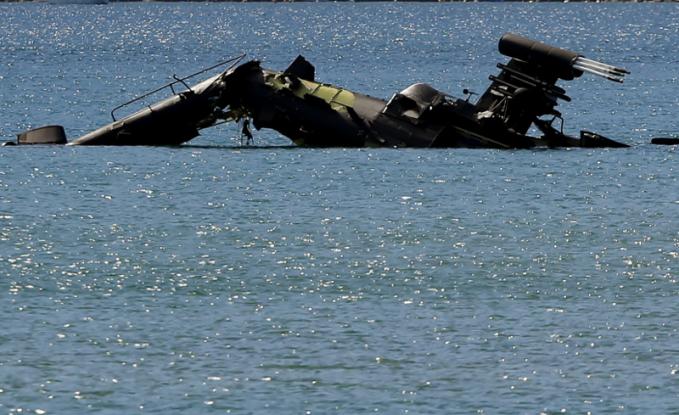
414	102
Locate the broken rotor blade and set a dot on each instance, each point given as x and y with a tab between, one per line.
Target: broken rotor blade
607	75
609	72
592	62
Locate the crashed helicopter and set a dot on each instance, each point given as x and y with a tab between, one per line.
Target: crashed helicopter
315	114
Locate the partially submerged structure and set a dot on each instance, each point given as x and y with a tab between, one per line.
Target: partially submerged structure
310	113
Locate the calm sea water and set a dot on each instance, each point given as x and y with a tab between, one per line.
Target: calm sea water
217	279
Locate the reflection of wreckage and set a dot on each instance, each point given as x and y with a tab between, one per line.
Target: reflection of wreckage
309	113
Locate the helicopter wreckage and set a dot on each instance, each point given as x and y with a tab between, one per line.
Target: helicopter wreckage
314	114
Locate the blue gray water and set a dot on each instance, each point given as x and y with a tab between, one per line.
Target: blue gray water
217	279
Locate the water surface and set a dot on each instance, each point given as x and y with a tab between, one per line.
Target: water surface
217	279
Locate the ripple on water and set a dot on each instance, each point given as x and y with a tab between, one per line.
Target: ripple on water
217	279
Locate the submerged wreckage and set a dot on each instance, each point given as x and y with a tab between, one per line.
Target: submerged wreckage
310	113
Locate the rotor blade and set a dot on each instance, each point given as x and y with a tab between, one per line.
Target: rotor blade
580	60
607	75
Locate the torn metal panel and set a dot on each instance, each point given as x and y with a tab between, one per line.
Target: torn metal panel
169	122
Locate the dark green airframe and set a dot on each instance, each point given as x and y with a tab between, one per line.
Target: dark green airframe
314	114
